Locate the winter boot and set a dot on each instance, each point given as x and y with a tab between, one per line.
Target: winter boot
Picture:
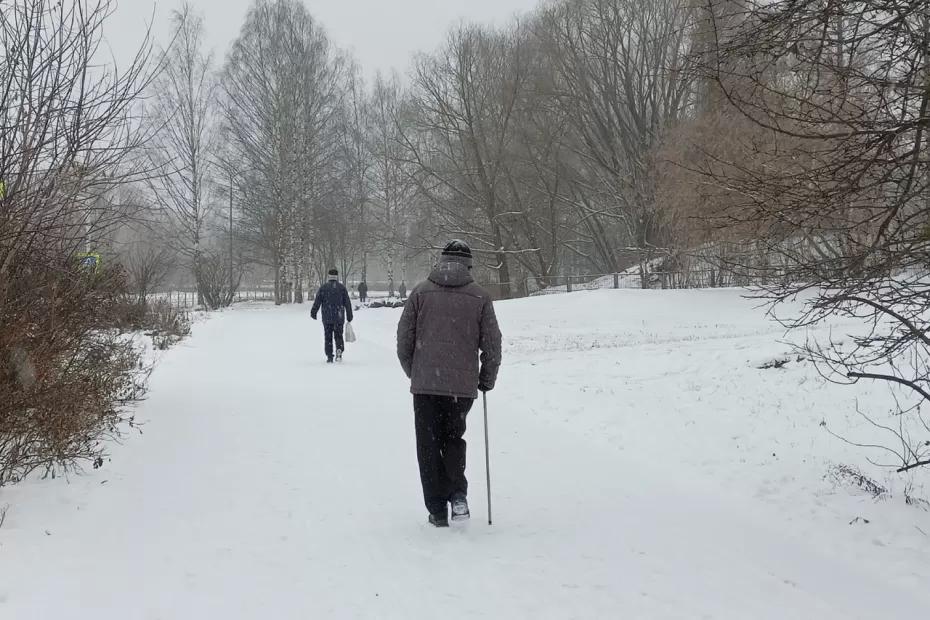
329	360
439	520
338	355
460	508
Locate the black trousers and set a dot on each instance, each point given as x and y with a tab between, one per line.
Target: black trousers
440	426
330	330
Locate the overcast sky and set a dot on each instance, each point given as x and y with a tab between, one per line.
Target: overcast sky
383	34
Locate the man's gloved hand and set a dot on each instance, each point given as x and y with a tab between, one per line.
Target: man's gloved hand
313	316
483	388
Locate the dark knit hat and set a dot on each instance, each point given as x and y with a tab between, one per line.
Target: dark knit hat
458	249
333	274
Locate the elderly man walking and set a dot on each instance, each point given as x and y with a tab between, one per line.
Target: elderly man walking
447	322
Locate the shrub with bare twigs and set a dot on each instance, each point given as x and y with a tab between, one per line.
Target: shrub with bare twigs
67	374
831	190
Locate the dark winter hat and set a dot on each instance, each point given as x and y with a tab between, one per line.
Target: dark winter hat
458	251
333	274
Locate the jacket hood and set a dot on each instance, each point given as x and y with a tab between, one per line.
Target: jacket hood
451	272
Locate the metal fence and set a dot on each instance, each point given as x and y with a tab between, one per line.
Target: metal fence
188	299
709	278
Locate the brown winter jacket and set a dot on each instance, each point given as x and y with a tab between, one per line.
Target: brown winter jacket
446	321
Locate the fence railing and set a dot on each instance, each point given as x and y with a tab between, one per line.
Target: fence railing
708	278
188	299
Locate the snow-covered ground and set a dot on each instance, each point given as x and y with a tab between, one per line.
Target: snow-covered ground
643	467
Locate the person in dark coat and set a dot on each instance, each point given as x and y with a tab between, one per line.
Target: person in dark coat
403	290
334	300
362	291
447	321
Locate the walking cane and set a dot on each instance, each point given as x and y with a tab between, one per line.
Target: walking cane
487	456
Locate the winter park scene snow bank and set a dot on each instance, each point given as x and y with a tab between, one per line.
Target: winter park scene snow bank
644	466
499	309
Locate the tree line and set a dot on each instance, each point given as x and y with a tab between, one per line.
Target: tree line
539	143
782	144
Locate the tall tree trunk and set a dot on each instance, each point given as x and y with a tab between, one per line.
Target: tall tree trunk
298	284
503	267
277	280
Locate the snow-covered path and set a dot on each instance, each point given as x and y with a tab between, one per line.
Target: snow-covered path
270	485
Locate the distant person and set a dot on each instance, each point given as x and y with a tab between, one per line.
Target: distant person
362	291
446	322
333	298
403	290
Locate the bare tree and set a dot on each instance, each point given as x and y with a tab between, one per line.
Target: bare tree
183	148
53	181
390	178
147	269
464	102
836	198
622	72
221	278
69	129
283	85
343	223
539	143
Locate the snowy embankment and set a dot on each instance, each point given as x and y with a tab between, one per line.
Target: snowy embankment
644	467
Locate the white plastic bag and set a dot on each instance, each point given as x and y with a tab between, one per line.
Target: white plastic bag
350	333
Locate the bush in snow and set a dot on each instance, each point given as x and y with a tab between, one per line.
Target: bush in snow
849	476
70	125
66	375
166	324
158	318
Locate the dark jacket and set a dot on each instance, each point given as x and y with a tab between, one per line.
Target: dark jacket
333	297
363	289
446	321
